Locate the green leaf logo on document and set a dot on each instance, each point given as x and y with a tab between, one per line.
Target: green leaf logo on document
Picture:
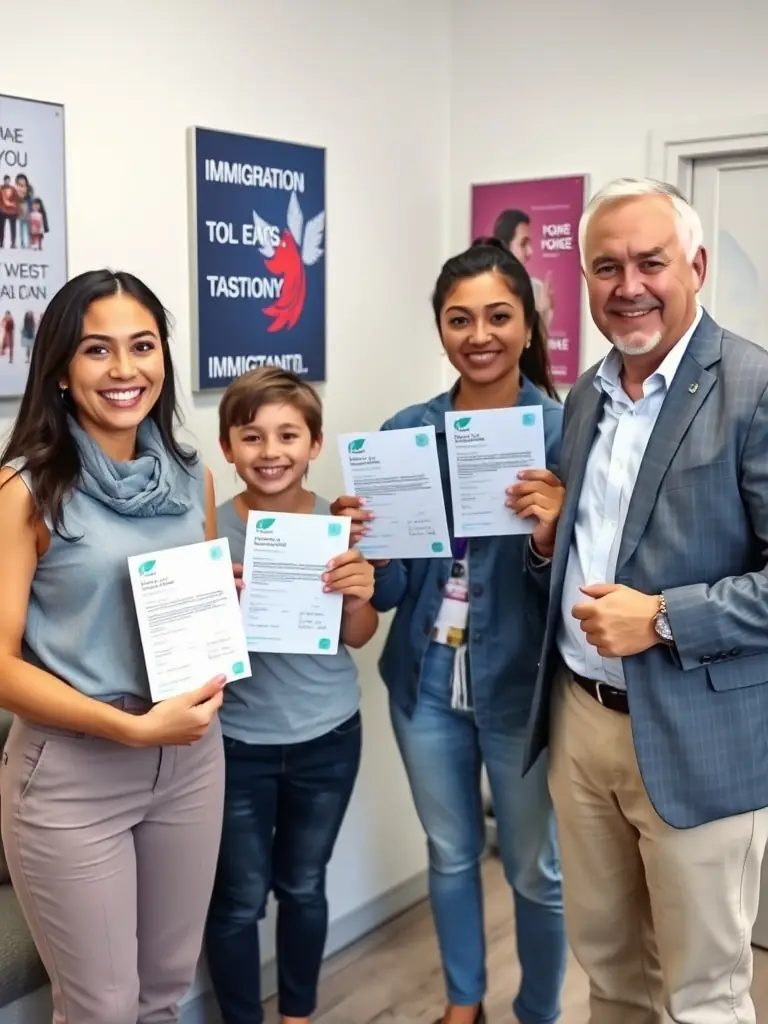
462	423
265	524
356	445
146	567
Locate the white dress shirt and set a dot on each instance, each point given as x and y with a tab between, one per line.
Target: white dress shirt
611	472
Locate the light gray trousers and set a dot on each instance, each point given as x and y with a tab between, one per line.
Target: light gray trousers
112	852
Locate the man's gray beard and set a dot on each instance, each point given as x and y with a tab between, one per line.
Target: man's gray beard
630	348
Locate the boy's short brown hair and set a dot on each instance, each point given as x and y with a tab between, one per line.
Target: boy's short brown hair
268	386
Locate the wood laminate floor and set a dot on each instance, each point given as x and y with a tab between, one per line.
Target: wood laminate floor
393	975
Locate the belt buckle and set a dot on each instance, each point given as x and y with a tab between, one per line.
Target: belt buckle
598	688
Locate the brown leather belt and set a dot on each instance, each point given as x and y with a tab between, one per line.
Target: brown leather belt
608	696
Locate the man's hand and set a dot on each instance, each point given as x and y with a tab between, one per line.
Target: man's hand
541	495
618	621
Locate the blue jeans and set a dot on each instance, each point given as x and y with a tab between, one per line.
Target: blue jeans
283	809
444	751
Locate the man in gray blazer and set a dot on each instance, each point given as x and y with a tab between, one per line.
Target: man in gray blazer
653	689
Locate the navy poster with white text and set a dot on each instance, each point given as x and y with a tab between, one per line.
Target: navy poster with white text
259	256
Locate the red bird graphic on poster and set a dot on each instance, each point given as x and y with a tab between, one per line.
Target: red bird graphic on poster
300	245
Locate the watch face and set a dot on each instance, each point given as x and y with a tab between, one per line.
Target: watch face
663	628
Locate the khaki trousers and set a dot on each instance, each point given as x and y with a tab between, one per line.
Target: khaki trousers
659	918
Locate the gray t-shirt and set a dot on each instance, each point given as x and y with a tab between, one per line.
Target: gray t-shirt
290	698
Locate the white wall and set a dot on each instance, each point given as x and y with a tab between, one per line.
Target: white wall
369	81
556	88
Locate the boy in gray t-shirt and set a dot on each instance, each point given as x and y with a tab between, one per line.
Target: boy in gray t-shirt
292	732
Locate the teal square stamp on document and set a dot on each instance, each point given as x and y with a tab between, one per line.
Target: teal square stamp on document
334	529
324	644
529	419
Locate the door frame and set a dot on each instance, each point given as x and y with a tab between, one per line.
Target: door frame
673	150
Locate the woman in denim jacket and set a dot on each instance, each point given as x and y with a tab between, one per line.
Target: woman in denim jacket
461	657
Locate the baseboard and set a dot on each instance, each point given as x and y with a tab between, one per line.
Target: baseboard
351	927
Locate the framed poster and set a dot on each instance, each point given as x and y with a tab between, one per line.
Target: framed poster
258	255
33	228
539	222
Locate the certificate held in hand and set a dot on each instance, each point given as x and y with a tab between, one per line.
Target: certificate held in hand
487	448
189	617
284	607
398	474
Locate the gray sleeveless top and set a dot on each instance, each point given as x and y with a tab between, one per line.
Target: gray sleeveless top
81	620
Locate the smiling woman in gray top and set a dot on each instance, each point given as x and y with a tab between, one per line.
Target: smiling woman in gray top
111	808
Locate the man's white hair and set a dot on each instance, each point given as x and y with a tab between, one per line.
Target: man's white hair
688	221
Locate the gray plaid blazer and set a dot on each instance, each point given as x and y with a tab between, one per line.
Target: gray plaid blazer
696	530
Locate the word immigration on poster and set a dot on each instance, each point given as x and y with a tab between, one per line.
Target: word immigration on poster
258	256
538	221
33	229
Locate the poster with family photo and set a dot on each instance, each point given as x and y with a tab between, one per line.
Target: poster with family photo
33	230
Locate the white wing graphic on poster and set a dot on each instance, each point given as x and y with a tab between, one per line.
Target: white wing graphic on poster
312	249
263	232
295	219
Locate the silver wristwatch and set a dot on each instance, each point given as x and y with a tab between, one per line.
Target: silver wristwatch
661	624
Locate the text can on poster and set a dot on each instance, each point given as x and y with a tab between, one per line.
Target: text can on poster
539	222
33	228
258	256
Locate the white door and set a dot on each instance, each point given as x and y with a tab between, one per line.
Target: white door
731	196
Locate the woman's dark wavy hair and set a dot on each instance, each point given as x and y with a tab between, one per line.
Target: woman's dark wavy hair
486	255
40	437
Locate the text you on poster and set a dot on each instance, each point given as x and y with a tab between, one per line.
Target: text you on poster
258	254
33	230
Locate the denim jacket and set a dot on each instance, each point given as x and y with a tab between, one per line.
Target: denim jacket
506	611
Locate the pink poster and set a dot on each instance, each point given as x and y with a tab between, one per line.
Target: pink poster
539	221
